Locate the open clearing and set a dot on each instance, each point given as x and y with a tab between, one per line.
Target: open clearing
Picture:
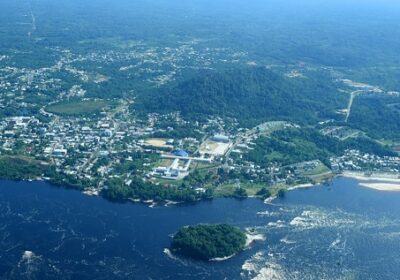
158	143
78	107
214	148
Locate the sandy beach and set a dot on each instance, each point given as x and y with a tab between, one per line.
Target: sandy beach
301	186
382	186
380	182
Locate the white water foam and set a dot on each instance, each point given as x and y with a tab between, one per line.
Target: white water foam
29	262
169	254
277	224
28	255
272	272
253	238
252	265
222	259
338	244
317	218
267	213
285	240
259	268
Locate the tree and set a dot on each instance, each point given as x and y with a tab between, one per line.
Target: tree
264	193
281	193
240	193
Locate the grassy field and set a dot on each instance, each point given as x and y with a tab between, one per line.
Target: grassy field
320	169
78	107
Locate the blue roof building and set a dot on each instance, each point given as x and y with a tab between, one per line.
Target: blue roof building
181	153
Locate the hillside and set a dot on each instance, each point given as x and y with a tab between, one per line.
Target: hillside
251	95
297	145
378	116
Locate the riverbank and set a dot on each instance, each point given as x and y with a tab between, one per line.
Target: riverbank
302	186
376	181
270	199
330	219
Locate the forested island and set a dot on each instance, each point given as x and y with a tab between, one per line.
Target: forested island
208	242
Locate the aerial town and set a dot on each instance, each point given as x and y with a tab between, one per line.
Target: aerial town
114	145
64	114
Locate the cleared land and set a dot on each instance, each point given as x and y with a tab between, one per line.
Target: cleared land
214	148
73	108
158	143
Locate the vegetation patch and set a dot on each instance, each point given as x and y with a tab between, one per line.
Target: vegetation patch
375	116
298	145
116	190
78	107
208	242
20	168
251	95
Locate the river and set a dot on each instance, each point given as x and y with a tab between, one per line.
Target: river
340	231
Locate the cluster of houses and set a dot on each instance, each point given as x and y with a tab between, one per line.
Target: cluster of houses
354	160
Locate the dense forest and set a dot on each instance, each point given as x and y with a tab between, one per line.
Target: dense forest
333	33
207	242
255	94
251	95
116	190
378	116
25	168
21	168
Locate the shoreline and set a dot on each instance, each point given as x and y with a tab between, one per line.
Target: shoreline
385	177
271	199
380	182
302	186
386	182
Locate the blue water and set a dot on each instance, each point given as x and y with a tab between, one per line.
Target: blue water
341	231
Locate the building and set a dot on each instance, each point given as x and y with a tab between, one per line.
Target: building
181	153
9	133
107	133
220	138
60	152
175	171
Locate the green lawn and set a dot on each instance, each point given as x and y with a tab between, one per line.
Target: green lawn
320	169
78	107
